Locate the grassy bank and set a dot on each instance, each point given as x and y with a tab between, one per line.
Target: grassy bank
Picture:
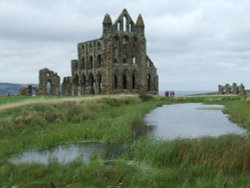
206	162
12	99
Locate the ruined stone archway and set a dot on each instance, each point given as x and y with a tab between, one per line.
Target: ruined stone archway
134	85
48	77
125	80
99	83
83	84
91	84
116	81
48	87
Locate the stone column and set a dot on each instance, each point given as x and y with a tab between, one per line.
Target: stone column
242	90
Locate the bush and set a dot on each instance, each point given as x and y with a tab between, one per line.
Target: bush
145	97
79	112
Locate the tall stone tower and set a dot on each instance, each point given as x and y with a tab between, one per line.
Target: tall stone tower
115	63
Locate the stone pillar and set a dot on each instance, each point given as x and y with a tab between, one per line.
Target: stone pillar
220	89
235	89
242	90
227	89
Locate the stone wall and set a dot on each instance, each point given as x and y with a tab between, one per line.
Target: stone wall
115	63
49	82
28	90
232	89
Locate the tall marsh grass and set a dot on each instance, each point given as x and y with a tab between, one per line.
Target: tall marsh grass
205	162
41	125
239	112
226	153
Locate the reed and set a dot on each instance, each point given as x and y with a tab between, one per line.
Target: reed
226	153
205	162
239	112
42	125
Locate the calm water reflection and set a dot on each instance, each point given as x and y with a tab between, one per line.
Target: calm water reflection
69	152
191	120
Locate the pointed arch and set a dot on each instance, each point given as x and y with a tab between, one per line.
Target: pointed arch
124	59
48	87
125	39
91	83
98	45
124	23
134	80
83	64
76	79
90	62
99	61
115	82
133	60
130	27
118	26
99	83
83	84
116	38
125	79
91	79
115	79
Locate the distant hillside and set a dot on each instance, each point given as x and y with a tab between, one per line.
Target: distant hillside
8	88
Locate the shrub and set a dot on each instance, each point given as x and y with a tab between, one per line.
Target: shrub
79	112
51	116
145	97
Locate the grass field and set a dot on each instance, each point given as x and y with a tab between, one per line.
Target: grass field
146	162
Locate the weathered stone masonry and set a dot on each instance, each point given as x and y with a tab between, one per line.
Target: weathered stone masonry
115	63
49	82
234	89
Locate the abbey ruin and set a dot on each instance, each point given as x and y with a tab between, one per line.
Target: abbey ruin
115	63
49	82
233	89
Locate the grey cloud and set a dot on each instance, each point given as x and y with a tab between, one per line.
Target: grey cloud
193	43
32	23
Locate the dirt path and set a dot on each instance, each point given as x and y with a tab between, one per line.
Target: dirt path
57	101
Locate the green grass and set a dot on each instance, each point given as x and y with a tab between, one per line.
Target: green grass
77	174
239	112
41	125
228	153
206	162
12	99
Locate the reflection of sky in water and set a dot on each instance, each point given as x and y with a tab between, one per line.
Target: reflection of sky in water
190	120
69	152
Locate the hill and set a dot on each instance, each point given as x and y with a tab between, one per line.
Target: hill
8	88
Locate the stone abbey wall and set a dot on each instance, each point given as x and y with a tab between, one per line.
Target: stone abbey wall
115	63
49	82
232	89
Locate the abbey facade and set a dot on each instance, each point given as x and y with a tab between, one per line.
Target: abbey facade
115	63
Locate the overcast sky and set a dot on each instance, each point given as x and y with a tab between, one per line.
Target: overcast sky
195	44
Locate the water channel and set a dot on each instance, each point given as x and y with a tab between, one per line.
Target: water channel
191	120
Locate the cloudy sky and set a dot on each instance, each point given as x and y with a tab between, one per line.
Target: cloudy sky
195	44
